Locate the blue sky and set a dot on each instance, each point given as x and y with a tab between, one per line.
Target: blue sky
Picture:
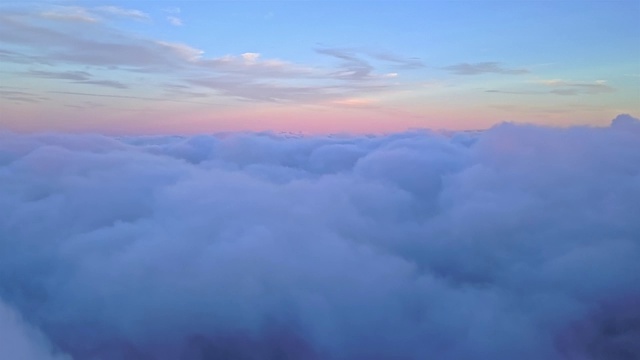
315	66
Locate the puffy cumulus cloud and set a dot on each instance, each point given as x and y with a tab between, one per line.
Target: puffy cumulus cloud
516	242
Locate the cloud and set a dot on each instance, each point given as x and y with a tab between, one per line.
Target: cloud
87	15
95	45
78	77
247	88
170	97
251	65
402	62
105	83
172	10
175	21
183	51
19	58
249	76
121	12
69	13
30	40
18	340
562	87
353	67
64	75
356	102
516	92
516	242
20	95
483	68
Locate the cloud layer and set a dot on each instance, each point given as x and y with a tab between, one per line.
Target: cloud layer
89	39
517	242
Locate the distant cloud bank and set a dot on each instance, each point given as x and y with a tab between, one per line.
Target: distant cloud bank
519	242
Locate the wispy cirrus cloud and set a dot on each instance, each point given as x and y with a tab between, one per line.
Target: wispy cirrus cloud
122	12
490	67
352	67
361	103
16	57
357	66
251	89
248	76
91	15
75	77
31	40
167	98
106	83
172	10
20	95
173	17
175	21
565	87
560	87
63	75
69	13
515	92
401	62
252	64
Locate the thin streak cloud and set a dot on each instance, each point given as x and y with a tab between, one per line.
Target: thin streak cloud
122	12
168	98
175	21
105	83
63	75
561	87
70	13
483	68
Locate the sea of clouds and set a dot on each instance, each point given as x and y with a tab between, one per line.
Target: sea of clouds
518	242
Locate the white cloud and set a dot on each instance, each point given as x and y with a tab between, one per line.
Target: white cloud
118	11
81	14
172	10
175	21
516	242
250	58
184	51
567	87
69	13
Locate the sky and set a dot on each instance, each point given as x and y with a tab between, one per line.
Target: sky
153	67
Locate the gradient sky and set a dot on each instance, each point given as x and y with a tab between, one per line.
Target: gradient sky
315	66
